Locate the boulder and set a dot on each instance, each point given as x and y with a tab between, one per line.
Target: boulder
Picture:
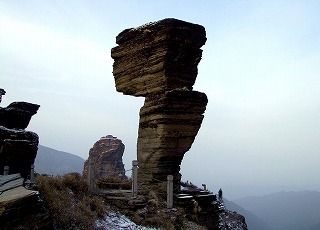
17	115
106	157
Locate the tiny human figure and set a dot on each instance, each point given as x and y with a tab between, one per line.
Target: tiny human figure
220	193
204	187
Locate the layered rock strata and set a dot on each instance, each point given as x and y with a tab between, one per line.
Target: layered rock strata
18	147
21	208
157	57
106	157
159	61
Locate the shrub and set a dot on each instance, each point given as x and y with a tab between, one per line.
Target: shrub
69	201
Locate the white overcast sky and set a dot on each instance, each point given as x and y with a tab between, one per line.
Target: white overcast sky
260	70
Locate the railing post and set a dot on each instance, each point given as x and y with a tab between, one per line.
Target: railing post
169	191
134	178
90	176
32	179
6	170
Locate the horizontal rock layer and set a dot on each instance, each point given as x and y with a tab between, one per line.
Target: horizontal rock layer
158	56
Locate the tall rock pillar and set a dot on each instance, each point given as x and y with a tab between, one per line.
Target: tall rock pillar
159	62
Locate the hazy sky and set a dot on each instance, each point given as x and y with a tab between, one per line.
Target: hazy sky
260	70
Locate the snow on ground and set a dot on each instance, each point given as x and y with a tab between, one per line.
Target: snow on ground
230	220
117	221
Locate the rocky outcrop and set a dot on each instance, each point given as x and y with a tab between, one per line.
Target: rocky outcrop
17	115
159	62
18	147
208	209
231	220
18	150
106	158
21	208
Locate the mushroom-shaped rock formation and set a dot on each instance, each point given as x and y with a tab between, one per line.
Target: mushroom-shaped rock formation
106	157
159	62
18	147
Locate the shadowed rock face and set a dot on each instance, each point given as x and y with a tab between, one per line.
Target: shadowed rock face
159	61
17	115
18	148
168	126
106	155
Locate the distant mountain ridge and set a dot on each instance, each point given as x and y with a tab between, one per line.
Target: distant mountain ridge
286	210
253	222
53	162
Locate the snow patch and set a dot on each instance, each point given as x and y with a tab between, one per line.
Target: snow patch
115	220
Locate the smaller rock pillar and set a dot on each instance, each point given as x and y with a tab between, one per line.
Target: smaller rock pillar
134	178
169	191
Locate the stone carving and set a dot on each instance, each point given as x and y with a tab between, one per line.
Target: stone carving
106	157
159	62
18	148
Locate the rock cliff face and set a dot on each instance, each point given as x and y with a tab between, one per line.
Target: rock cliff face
18	148
159	62
106	157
